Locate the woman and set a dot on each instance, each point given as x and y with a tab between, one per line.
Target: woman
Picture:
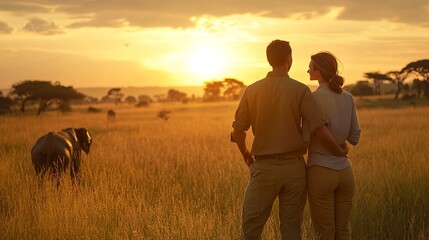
330	179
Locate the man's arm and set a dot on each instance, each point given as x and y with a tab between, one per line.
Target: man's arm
312	115
239	137
328	139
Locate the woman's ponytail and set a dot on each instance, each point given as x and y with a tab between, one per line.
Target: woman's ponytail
336	83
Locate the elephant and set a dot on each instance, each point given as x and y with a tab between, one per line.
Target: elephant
56	151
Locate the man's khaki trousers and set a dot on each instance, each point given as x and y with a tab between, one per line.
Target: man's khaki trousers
269	178
330	196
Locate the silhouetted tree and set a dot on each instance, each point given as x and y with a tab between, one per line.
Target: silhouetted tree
234	88
160	97
90	99
131	100
145	98
44	92
5	104
397	78
377	79
213	90
420	68
362	88
116	94
175	95
144	101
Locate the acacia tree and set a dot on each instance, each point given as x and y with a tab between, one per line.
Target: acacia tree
174	95
420	68
44	92
234	88
116	94
397	78
213	90
377	79
131	100
230	87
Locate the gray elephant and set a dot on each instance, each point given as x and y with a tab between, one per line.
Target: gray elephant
56	151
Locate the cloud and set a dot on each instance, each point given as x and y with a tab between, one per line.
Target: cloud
5	28
41	26
77	70
26	7
173	13
414	12
133	18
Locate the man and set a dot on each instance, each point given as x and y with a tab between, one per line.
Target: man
274	107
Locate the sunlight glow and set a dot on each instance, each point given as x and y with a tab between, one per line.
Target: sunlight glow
206	62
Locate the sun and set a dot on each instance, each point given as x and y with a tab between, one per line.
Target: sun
206	62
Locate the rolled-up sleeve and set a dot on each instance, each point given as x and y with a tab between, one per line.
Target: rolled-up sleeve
242	116
310	112
355	131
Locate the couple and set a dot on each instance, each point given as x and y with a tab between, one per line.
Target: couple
286	119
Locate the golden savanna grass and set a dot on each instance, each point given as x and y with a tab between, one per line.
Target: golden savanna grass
146	178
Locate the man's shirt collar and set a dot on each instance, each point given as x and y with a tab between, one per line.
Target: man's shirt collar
277	74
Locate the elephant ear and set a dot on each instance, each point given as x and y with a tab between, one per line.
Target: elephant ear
72	135
85	139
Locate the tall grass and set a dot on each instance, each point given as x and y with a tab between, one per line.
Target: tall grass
146	178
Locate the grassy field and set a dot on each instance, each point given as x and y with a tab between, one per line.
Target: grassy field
387	102
182	179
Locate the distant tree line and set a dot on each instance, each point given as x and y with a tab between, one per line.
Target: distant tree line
52	95
43	93
228	89
417	73
48	94
5	103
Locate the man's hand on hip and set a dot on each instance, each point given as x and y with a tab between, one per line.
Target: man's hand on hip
248	159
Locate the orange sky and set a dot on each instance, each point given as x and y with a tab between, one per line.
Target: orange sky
172	43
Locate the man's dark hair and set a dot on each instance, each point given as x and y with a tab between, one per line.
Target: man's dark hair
278	52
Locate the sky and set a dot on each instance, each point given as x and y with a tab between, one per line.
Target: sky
112	43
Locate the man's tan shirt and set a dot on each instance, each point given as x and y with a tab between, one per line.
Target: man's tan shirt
274	107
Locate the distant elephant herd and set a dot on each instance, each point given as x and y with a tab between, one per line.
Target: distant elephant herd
55	152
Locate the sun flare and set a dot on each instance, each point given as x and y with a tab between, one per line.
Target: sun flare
206	63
